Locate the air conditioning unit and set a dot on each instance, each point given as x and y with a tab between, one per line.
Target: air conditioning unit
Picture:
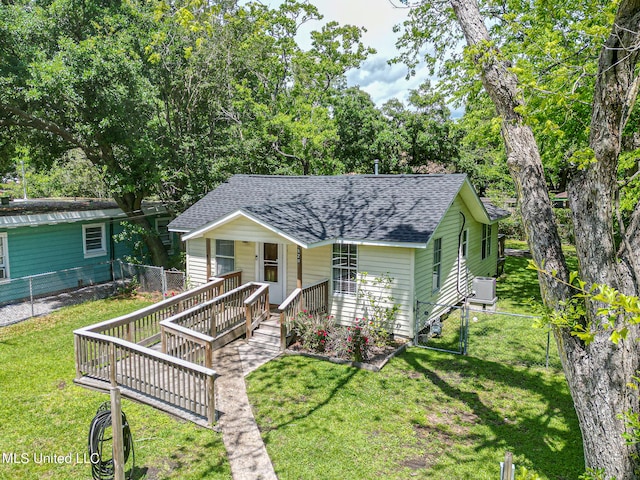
485	291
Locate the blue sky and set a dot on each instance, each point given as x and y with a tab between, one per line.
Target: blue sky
376	77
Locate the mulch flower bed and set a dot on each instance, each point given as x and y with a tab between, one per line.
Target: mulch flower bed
376	359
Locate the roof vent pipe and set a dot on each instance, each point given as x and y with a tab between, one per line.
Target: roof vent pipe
375	166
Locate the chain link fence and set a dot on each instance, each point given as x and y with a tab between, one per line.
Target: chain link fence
442	327
26	297
505	337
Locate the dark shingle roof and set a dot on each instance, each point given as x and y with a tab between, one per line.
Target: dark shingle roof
495	212
386	208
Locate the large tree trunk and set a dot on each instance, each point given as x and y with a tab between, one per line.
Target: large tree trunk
598	373
132	206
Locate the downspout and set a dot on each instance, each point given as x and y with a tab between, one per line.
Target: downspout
112	245
464	221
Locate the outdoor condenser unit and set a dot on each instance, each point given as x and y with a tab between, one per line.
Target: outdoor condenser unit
485	291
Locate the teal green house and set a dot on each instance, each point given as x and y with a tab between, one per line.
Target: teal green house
49	246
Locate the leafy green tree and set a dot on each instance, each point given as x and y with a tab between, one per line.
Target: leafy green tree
563	76
75	73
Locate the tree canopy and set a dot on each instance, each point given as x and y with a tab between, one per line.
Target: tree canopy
562	77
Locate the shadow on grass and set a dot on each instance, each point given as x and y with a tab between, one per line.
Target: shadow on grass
518	284
271	380
540	436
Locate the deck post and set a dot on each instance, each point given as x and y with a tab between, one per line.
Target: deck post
208	355
283	332
112	364
214	319
211	414
266	305
163	337
248	321
326	297
76	348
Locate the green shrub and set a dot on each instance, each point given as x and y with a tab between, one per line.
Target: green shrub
314	330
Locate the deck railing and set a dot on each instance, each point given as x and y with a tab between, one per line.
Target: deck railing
256	309
164	377
176	382
231	280
190	335
143	326
312	298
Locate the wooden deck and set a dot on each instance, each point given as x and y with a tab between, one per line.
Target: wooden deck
162	355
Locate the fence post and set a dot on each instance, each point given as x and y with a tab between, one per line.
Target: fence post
466	328
548	341
163	281
31	296
117	434
506	467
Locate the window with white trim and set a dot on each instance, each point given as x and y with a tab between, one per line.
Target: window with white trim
345	268
94	240
4	257
162	227
464	243
437	263
486	241
225	256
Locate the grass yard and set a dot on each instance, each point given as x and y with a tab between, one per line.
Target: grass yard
42	411
428	414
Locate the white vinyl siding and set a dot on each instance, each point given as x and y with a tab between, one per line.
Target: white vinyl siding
244	229
197	261
94	240
316	265
245	260
4	257
398	263
455	282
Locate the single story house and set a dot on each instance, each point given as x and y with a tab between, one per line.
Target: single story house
71	237
431	234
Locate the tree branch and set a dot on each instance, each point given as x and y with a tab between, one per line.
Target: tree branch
26	120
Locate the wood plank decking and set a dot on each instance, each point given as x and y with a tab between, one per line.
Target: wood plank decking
162	355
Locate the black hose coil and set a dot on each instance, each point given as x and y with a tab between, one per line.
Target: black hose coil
104	469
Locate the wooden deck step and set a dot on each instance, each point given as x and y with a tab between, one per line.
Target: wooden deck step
103	386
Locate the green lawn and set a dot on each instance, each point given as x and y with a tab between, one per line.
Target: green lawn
427	414
42	411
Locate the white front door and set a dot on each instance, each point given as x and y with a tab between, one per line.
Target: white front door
271	270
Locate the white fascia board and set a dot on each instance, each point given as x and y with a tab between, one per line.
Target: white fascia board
238	214
473	202
54	218
369	243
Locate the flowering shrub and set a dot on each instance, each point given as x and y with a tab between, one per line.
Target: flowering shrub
314	330
354	342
